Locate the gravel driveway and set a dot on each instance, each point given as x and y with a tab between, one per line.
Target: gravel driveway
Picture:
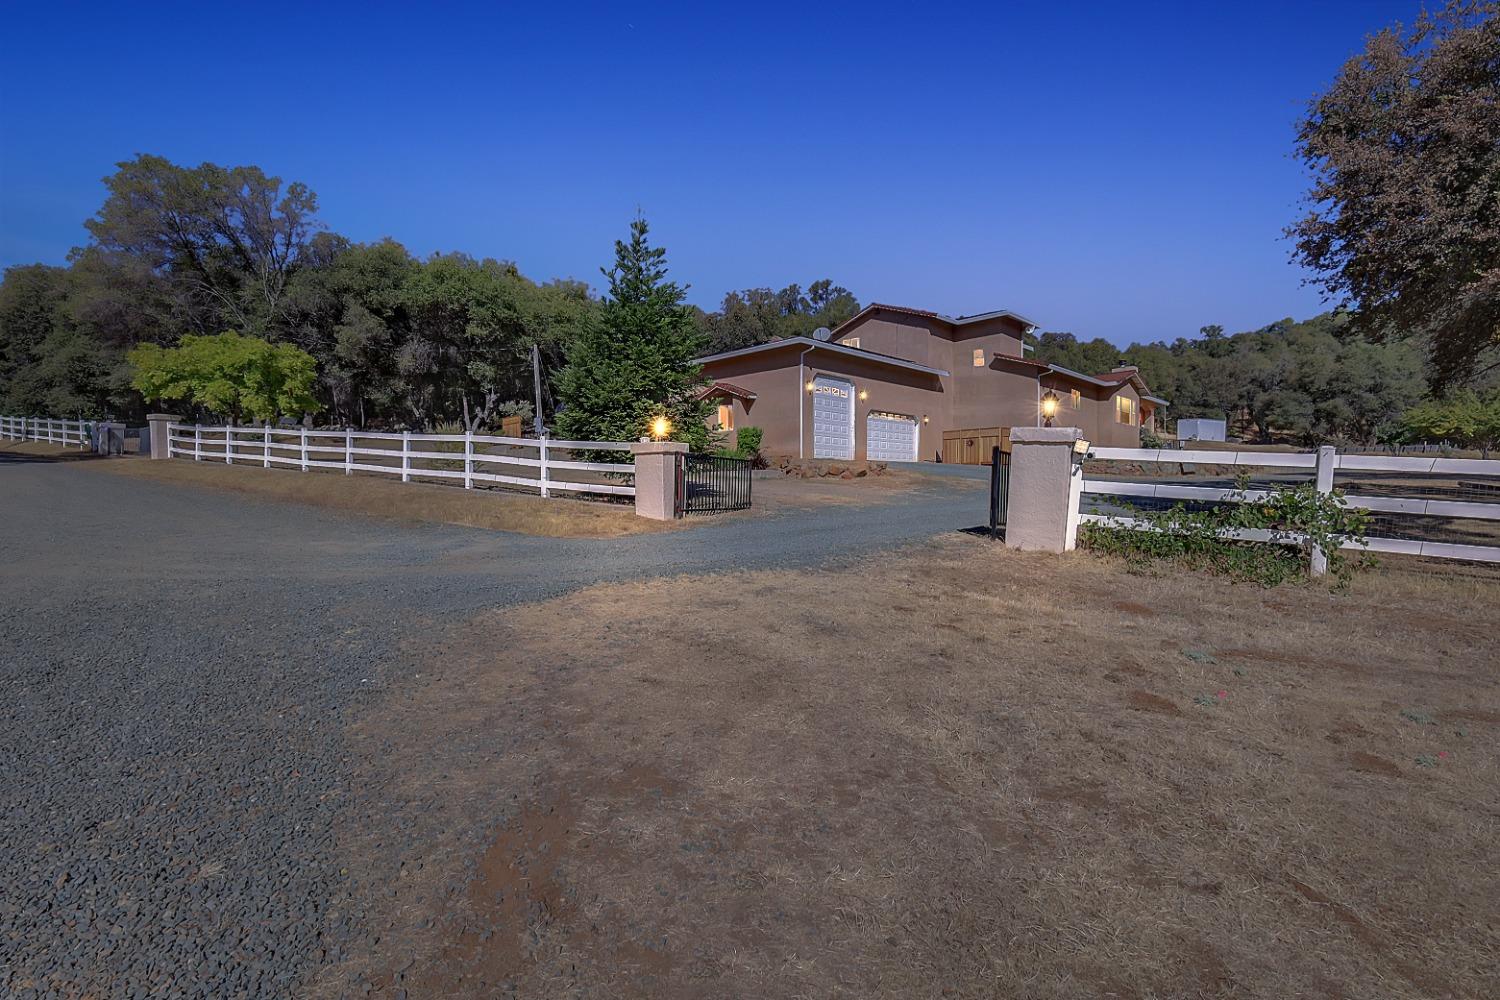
178	670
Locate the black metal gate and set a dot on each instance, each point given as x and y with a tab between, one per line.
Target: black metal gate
708	484
999	490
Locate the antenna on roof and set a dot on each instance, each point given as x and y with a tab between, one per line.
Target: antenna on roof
822	333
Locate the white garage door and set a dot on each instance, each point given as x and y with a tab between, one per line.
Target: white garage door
892	437
833	418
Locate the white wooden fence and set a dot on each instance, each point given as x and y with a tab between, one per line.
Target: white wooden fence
399	454
44	429
1324	462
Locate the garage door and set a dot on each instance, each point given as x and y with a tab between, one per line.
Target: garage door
892	437
833	418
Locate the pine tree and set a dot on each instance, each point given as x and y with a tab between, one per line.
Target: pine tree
635	363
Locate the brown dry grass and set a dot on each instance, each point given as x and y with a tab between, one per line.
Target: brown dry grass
45	450
479	508
960	771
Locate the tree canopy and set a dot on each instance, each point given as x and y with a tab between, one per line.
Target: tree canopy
229	375
1403	220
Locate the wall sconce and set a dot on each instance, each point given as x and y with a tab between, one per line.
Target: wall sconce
809	385
1049	408
864	394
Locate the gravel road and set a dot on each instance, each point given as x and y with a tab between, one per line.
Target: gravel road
177	672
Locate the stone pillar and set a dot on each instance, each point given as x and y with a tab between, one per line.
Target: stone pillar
1045	488
656	478
158	423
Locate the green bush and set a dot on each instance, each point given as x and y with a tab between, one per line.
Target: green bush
749	441
1298	519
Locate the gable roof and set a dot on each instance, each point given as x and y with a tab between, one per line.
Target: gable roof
929	314
725	389
821	345
1109	380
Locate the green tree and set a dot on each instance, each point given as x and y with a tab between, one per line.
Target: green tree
1403	224
224	241
228	374
636	362
1466	418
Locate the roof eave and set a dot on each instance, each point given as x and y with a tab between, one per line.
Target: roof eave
822	345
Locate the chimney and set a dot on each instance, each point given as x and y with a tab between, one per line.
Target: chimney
1121	365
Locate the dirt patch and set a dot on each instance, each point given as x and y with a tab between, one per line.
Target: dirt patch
1134	608
495	509
1368	763
759	792
1145	701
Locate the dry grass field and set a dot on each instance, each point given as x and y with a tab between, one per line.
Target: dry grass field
954	771
502	510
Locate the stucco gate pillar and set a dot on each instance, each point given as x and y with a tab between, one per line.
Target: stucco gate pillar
656	478
1045	488
158	424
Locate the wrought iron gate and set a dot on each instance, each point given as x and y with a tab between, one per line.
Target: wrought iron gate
999	490
708	484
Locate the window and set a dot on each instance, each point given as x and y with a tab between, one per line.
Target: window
1077	399
851	341
1125	410
726	417
978	357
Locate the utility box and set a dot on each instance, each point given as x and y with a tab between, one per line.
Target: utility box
1200	429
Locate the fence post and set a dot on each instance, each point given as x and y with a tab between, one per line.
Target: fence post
229	444
468	460
656	478
1327	462
197	442
1045	488
542	469
160	434
348	451
406	456
265	451
304	448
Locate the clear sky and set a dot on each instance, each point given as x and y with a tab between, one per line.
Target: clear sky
1116	170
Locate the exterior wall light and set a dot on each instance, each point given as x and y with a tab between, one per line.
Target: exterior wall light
864	394
809	385
926	419
660	428
1049	408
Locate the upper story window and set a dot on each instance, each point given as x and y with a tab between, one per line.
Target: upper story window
978	357
726	417
851	341
1077	398
1125	410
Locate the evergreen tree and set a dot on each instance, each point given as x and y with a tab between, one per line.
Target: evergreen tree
635	362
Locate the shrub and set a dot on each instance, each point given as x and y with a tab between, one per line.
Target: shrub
749	439
1298	519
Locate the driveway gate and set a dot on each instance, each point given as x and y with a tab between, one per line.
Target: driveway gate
707	484
999	490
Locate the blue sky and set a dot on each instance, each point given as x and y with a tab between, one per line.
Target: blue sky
1116	170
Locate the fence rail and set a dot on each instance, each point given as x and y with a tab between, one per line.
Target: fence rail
44	429
1325	463
309	449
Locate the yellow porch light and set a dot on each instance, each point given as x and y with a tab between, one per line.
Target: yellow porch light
864	394
809	385
1049	407
660	428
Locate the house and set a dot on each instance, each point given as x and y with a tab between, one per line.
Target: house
901	385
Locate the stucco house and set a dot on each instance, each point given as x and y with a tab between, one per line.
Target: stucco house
901	385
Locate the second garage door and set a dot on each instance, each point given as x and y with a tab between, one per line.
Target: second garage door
892	437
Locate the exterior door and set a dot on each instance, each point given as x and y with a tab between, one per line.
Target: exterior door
833	418
891	437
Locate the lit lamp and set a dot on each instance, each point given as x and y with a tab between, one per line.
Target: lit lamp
660	428
864	394
1049	408
809	385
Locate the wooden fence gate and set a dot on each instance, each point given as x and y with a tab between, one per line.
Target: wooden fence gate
975	445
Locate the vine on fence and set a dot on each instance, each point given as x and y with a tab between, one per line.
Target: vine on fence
1299	519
